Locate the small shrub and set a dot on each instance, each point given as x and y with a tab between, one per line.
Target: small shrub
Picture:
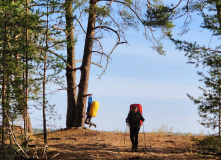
163	130
209	144
7	153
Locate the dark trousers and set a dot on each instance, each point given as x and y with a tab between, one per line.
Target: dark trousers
134	130
88	121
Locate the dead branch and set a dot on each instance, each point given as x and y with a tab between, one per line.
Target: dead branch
45	152
91	63
80	22
102	53
109	29
214	50
35	153
109	57
55	91
118	42
177	5
55	155
13	136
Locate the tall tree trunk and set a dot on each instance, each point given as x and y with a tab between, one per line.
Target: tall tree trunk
4	81
27	120
85	67
4	85
70	72
218	8
44	83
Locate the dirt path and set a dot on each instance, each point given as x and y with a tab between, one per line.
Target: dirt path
88	144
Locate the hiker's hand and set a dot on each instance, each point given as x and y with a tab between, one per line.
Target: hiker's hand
128	124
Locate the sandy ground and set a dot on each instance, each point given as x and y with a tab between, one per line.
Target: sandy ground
89	144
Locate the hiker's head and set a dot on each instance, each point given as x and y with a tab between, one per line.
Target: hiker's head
135	109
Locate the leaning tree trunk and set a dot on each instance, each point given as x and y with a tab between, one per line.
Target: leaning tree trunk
85	67
70	69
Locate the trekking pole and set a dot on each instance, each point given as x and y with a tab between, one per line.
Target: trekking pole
144	137
125	135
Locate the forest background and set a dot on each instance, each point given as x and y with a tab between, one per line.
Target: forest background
138	74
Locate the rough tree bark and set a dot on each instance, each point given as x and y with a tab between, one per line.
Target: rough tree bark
26	116
85	67
70	69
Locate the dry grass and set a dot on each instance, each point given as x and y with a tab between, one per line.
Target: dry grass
88	144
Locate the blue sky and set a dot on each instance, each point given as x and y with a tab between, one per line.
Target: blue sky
137	74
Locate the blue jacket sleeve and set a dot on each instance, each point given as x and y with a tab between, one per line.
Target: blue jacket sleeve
89	104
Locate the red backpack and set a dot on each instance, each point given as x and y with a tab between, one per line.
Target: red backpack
139	108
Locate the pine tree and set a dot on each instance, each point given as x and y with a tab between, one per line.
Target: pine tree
200	55
209	103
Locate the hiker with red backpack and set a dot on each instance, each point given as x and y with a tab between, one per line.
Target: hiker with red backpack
135	120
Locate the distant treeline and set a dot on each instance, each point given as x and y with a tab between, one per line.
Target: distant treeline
37	130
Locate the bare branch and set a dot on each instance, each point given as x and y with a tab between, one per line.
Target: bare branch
100	47
13	136
91	63
109	29
17	152
214	51
80	22
102	53
118	42
177	5
120	30
55	155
